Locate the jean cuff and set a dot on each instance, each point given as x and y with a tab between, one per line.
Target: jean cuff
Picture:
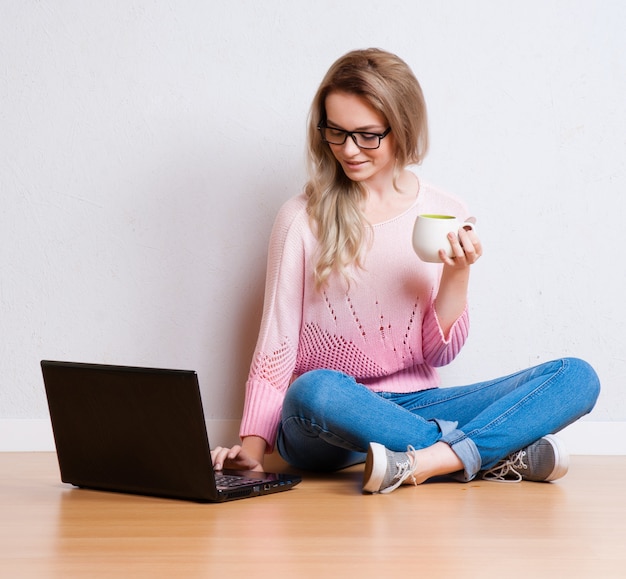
463	447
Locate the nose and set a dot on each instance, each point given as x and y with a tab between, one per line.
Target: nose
350	146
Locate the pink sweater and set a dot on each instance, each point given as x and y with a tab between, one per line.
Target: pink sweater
383	330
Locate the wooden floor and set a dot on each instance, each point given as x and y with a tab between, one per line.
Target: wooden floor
324	527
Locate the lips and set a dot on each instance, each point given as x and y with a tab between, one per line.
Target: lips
354	164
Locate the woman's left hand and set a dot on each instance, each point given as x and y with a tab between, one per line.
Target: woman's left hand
466	248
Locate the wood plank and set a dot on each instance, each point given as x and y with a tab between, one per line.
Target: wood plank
575	527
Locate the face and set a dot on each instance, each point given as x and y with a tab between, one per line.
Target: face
350	112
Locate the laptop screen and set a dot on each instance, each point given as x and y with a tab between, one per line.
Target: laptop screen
130	429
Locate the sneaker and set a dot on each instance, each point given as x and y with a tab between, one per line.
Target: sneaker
386	470
543	461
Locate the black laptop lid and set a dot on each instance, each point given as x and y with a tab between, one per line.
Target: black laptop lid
129	429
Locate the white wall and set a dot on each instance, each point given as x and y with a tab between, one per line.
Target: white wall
145	147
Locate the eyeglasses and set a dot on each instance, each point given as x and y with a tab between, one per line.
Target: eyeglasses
362	139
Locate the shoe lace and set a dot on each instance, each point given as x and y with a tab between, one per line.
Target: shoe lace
510	466
406	468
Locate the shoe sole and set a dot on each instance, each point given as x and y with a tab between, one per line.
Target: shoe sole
375	468
561	458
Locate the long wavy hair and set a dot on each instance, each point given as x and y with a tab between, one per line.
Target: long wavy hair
333	200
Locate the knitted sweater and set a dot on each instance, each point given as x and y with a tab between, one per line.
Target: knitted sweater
382	329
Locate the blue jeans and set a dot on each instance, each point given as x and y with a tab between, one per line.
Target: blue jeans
328	419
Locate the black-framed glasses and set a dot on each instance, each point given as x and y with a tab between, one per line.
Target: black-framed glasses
362	139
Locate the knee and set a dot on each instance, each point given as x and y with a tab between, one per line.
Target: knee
586	380
312	391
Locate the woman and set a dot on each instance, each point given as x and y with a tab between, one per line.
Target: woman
355	325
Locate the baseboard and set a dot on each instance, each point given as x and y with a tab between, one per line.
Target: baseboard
595	438
582	437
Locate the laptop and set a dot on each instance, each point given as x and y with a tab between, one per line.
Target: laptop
142	431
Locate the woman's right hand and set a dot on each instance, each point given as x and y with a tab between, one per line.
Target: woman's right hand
248	456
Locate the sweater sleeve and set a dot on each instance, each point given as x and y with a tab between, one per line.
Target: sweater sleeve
276	350
437	350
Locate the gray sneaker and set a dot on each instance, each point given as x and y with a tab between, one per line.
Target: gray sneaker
543	461
386	470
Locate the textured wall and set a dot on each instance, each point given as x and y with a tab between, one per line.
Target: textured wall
146	146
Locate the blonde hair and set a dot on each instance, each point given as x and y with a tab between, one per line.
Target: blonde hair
333	200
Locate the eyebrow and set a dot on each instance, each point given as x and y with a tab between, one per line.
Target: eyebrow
366	129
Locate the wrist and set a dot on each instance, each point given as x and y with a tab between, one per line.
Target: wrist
255	447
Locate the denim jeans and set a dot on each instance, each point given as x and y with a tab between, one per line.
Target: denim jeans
328	419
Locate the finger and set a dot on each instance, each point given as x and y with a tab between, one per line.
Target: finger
216	451
471	245
458	253
234	452
218	456
445	258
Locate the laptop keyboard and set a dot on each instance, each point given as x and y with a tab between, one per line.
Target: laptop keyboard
232	481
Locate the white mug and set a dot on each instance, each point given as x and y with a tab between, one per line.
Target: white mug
430	234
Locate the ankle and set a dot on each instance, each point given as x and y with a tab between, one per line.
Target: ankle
436	460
